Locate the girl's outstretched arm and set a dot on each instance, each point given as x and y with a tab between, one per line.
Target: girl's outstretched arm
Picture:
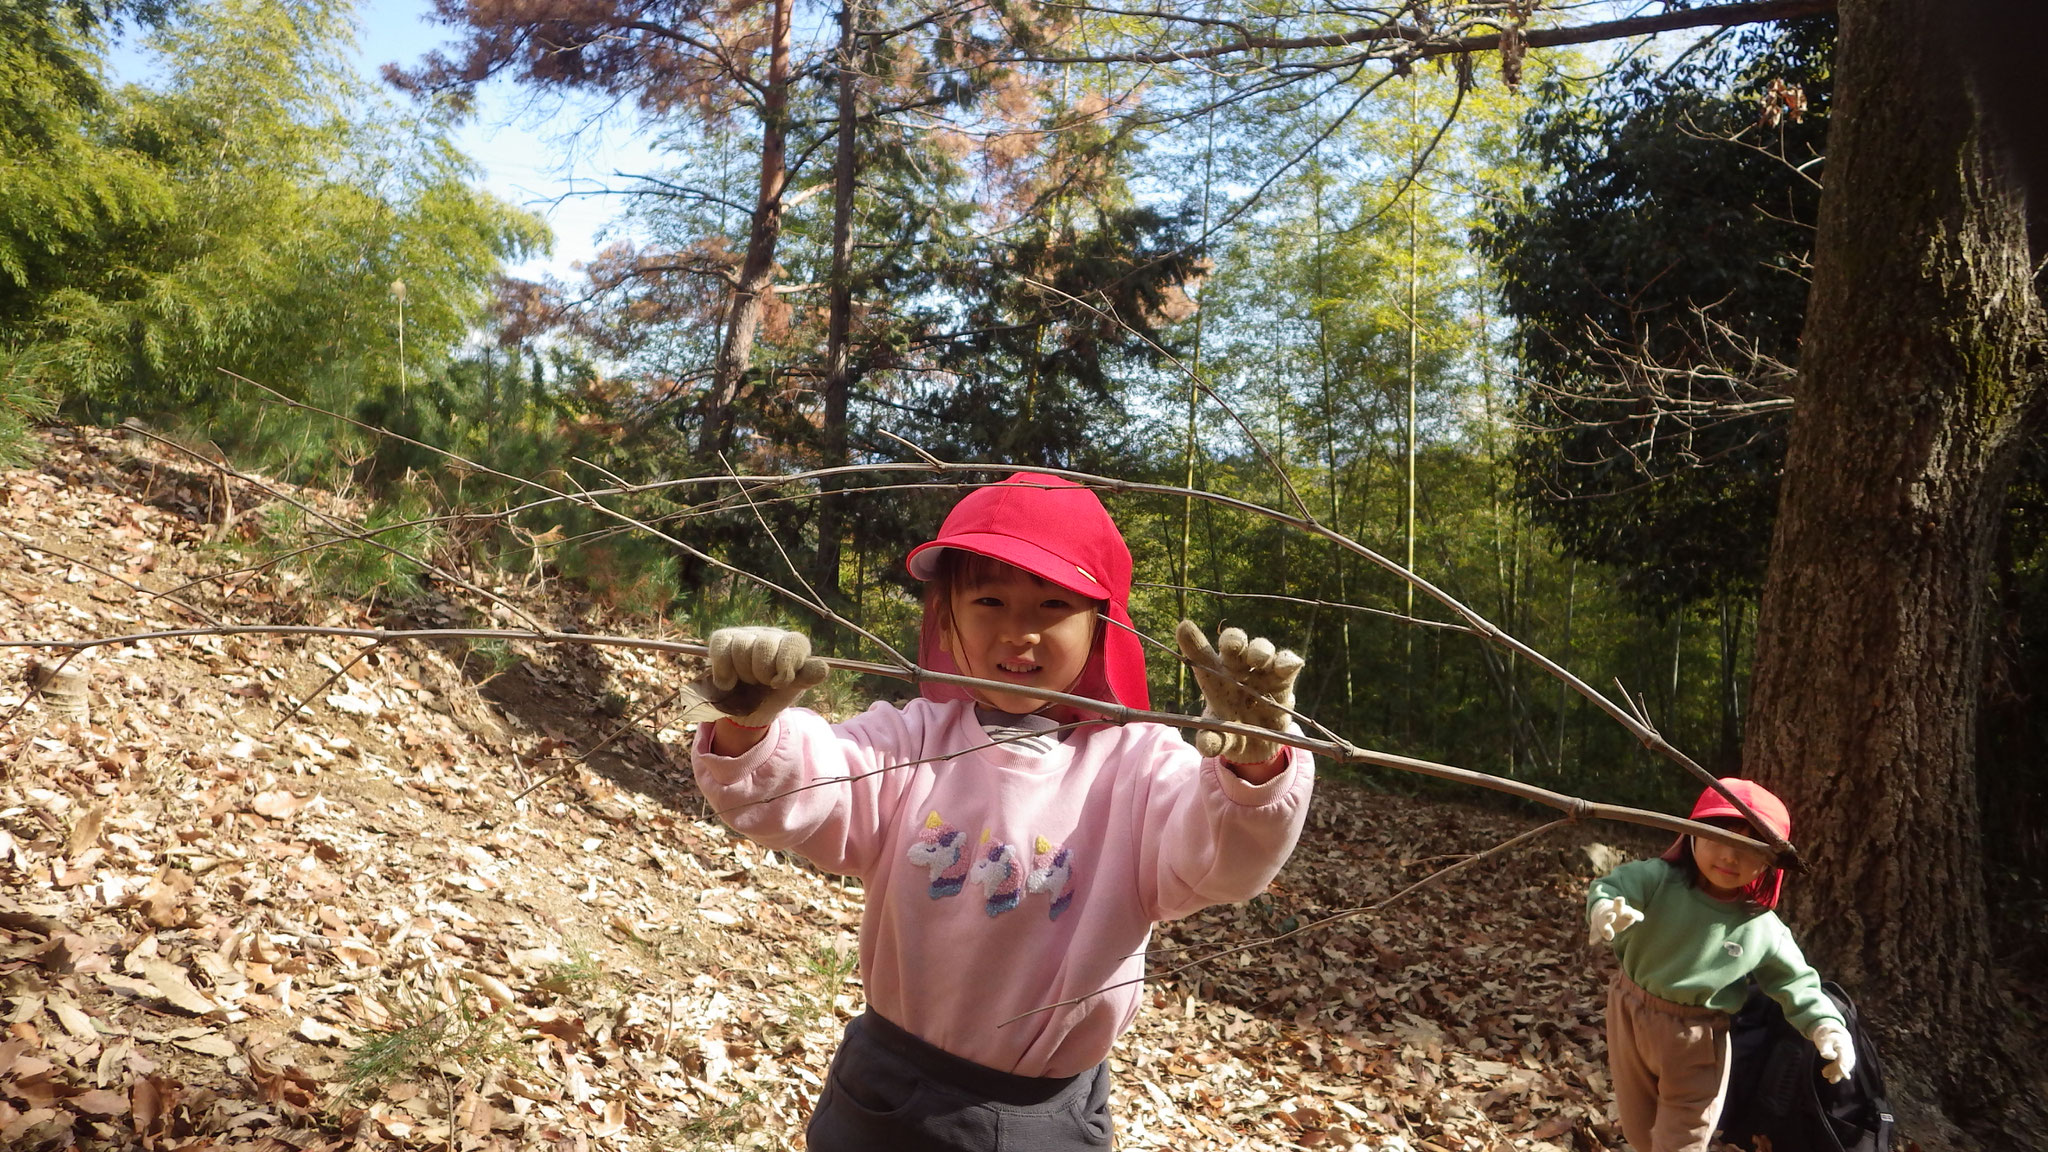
1211	836
822	791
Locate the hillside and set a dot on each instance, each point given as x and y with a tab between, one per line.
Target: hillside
470	899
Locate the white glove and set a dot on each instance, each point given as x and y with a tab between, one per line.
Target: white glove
1607	918
1248	682
757	672
1832	1041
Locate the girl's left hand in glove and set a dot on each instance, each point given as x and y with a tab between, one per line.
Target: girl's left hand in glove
1245	681
1832	1041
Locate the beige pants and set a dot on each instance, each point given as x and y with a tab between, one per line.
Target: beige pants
1670	1067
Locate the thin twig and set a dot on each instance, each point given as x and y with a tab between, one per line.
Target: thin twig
1637	725
583	757
300	705
1418	621
992	742
1332	918
343	529
586	499
1335	750
132	585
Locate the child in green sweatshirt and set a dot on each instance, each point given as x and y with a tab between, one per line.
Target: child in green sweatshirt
1690	928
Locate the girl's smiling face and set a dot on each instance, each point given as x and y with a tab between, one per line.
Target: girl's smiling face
1010	626
1726	870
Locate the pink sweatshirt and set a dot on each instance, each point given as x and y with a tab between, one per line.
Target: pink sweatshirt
999	881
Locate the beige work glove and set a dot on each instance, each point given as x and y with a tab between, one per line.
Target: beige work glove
1246	681
756	672
1832	1041
1606	919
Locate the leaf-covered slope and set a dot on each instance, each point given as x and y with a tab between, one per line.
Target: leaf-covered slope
470	900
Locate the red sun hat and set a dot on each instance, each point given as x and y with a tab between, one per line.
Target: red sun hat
1765	890
1760	799
1058	531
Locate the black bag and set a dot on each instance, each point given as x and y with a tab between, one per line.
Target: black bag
1776	1090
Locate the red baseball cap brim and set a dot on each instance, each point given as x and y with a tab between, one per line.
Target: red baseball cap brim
924	560
1760	799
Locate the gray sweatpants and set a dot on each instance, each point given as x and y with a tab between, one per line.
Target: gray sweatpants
1670	1068
889	1091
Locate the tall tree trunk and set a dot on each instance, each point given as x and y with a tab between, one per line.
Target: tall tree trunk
1922	327
1191	447
757	269
839	318
1728	750
1564	694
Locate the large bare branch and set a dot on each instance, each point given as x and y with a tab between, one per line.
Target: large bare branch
1419	43
745	488
1335	750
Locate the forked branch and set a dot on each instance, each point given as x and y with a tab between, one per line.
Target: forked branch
1335	750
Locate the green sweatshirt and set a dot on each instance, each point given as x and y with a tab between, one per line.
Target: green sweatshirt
1693	949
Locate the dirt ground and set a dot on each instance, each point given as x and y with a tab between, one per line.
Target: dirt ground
277	892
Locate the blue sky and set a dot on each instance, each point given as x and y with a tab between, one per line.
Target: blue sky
528	154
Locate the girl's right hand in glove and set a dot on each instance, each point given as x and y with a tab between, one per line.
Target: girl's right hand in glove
1607	918
1244	681
756	672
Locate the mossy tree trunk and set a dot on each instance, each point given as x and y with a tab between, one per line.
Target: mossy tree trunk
1920	368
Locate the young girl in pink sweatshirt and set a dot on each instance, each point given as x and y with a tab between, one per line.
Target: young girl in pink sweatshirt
1013	855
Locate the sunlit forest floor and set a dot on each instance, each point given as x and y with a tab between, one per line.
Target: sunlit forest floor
469	898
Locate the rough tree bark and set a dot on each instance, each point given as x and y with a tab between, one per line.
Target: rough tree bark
757	269
1920	368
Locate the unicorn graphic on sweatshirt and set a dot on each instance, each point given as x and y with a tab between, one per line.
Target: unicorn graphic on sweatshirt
1000	876
942	849
1052	872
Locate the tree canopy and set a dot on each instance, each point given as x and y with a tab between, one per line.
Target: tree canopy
253	215
1657	281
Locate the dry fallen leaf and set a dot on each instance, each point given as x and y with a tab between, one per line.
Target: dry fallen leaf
69	953
317	1032
491	986
164	900
21	920
100	1102
17	1064
73	1018
278	804
211	1044
86	832
614	1121
174	984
